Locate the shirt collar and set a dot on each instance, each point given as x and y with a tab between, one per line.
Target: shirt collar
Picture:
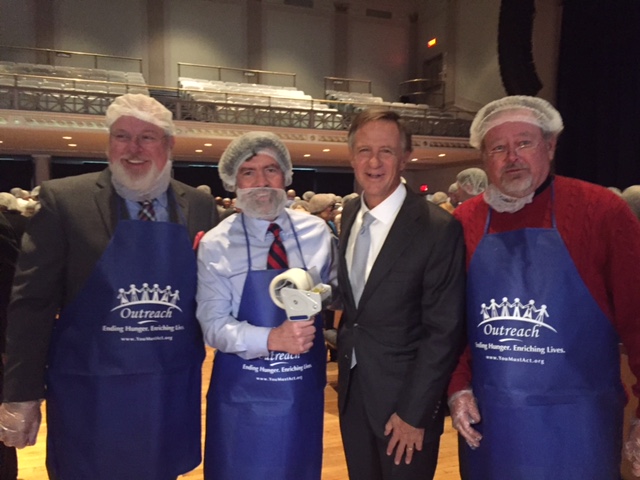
387	210
257	227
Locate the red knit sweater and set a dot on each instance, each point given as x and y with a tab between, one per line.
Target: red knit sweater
603	239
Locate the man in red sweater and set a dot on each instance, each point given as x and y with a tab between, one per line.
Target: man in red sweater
553	267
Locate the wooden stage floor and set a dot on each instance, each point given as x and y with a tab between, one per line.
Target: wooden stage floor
32	467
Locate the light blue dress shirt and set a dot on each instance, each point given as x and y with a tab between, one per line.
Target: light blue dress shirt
160	206
223	265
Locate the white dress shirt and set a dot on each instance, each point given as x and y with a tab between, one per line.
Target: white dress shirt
384	214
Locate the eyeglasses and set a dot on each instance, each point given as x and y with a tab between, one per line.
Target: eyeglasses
522	149
383	154
144	139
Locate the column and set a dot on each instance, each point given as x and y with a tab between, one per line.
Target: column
156	43
341	40
42	168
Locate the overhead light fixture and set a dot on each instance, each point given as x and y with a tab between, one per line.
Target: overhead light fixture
198	151
442	154
73	144
67	138
414	159
208	144
307	155
326	149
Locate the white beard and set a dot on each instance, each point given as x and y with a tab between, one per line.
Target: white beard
153	184
262	202
501	202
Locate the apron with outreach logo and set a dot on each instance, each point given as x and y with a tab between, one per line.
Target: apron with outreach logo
545	364
124	377
265	416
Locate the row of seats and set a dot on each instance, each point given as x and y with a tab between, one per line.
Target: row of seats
64	89
257	95
78	79
357	101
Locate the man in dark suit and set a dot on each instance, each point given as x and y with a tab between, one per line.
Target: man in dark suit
104	302
8	254
403	296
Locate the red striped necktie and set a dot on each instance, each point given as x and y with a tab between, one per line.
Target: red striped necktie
277	259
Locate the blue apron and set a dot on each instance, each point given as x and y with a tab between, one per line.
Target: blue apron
265	416
124	377
546	367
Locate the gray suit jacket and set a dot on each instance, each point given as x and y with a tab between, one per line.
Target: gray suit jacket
407	329
60	248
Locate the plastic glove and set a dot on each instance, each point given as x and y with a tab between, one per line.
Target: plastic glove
19	423
632	447
464	413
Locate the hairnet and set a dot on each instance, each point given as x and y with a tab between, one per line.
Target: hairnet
247	146
347	198
631	195
320	201
439	197
308	195
143	108
516	108
472	180
8	201
453	188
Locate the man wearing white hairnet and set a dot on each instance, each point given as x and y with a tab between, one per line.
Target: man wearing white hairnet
552	289
265	402
102	317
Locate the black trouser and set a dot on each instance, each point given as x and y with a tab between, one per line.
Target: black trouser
366	452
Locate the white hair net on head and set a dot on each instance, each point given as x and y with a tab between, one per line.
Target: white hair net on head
472	180
143	108
516	108
439	197
8	201
453	188
247	146
631	195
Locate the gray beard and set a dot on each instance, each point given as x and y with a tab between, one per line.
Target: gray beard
249	204
151	186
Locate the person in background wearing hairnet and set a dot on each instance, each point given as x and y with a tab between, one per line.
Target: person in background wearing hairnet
266	398
631	195
552	289
453	194
442	200
471	183
104	302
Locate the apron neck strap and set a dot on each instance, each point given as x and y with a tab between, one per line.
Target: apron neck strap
295	235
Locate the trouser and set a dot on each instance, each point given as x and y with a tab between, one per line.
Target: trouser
366	452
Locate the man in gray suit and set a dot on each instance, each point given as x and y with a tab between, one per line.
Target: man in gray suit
102	316
401	274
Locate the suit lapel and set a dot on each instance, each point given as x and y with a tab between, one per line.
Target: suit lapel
105	199
180	212
402	233
348	217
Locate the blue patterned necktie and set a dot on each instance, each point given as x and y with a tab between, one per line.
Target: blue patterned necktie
147	213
